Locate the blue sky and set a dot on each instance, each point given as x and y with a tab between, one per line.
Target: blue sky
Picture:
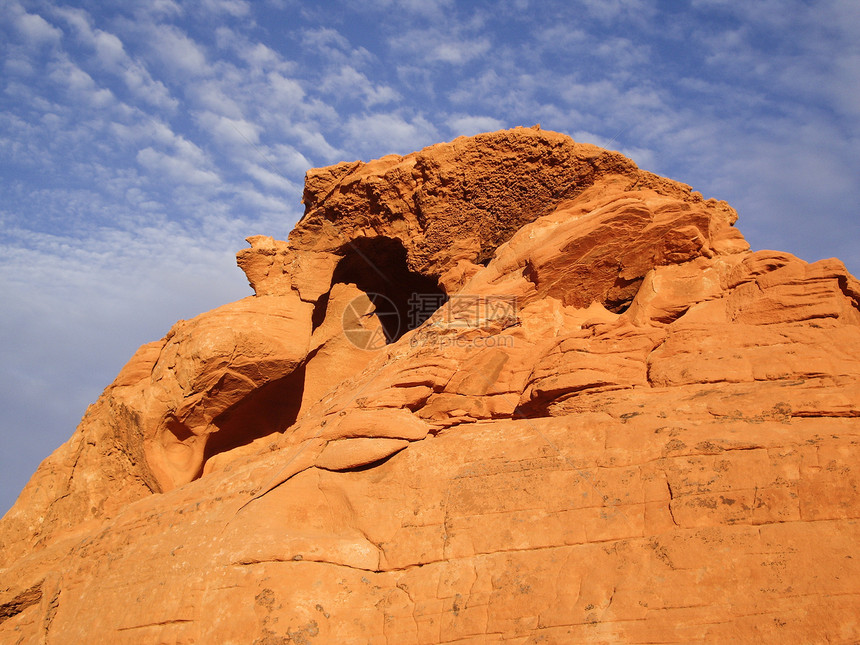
142	141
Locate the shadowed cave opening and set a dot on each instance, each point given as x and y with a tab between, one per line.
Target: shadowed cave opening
270	408
378	266
621	295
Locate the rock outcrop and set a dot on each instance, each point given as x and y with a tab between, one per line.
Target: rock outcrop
508	388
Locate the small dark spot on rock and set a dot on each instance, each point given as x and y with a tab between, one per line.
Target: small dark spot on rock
675	444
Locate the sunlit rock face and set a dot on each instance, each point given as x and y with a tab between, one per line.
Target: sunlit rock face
507	388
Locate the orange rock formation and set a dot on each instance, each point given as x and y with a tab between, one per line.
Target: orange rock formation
505	389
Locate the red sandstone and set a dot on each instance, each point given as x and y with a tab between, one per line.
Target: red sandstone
623	426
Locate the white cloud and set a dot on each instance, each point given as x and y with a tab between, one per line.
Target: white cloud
112	56
260	57
622	53
437	46
325	39
80	84
643	157
259	201
334	47
467	125
845	87
214	95
152	10
293	162
78	19
801	49
379	134
309	136
139	81
584	136
178	53
176	168
109	48
632	108
426	8
229	131
142	128
347	81
459	52
18	65
34	28
607	10
235	8
270	179
518	95
285	92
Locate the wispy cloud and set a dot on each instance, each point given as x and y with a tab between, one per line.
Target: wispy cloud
270	179
425	8
229	131
390	131
80	85
333	48
434	45
349	82
180	56
235	8
111	55
35	29
607	10
175	168
467	125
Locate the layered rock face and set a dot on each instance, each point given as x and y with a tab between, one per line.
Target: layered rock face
510	388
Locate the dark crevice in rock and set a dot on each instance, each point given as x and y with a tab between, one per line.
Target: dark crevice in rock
50	613
268	409
621	295
20	602
319	311
368	466
403	298
851	289
536	409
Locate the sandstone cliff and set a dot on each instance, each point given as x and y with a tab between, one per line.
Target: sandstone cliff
508	388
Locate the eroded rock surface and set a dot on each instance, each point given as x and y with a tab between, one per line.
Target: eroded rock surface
505	389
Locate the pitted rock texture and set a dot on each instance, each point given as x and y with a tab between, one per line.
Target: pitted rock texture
579	409
451	204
